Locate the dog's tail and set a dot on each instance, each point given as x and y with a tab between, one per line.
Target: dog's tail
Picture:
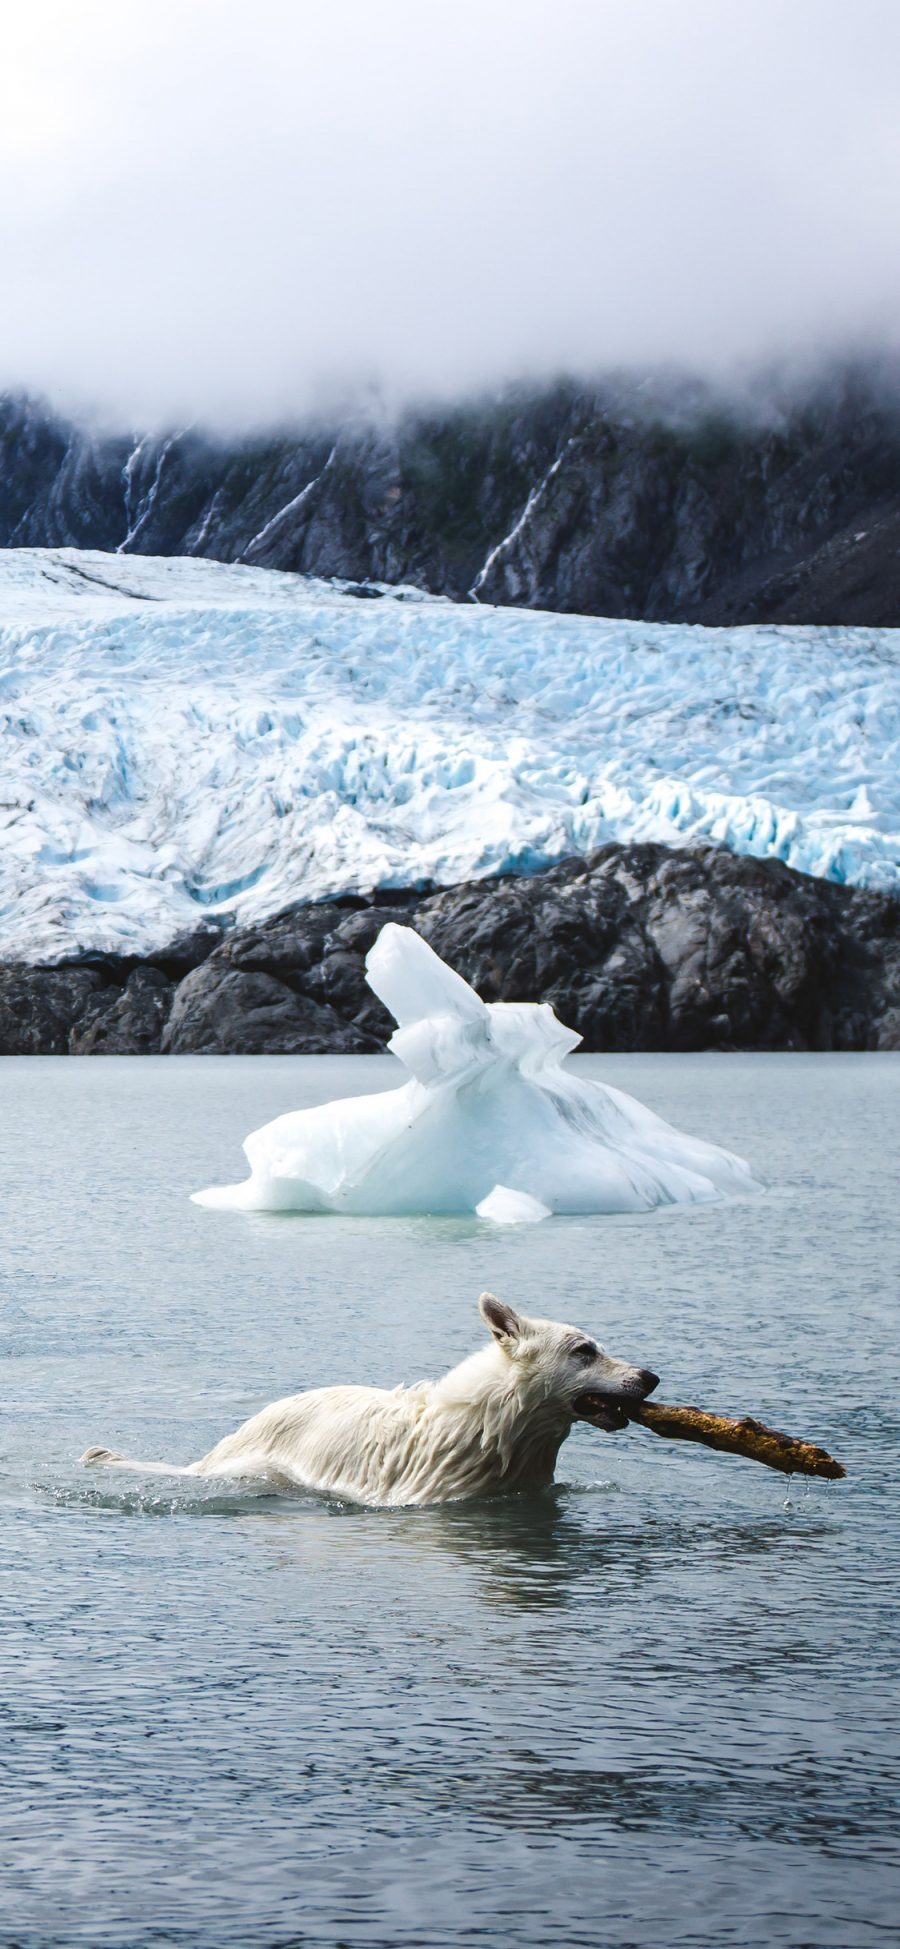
110	1458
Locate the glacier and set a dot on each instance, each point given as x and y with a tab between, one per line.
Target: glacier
184	740
490	1121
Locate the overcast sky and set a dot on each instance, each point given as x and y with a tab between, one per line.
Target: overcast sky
230	209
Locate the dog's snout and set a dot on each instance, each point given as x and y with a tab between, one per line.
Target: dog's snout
637	1381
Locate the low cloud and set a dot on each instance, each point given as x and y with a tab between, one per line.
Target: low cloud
235	213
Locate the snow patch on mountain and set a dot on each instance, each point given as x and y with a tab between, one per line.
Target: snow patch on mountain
181	739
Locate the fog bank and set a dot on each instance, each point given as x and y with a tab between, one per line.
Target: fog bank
236	214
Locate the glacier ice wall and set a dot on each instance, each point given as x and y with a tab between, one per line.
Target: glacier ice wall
181	739
490	1121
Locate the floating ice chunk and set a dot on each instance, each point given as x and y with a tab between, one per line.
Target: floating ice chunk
505	1207
490	1120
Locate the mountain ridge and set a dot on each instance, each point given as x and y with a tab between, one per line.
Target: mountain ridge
666	503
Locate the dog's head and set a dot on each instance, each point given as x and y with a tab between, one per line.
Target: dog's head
567	1366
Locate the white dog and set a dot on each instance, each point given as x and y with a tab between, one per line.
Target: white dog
494	1424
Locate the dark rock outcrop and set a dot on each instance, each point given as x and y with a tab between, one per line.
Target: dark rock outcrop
125	1021
636	947
657	500
221	1010
40	1007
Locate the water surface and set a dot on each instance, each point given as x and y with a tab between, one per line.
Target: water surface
651	1707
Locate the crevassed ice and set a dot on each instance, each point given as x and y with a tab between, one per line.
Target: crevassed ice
490	1121
181	739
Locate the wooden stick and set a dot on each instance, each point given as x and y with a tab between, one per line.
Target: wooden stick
745	1437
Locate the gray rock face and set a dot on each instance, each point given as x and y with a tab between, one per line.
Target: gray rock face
220	1010
655	501
39	1008
127	1021
643	948
637	947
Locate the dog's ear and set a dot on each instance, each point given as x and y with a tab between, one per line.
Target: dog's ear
500	1320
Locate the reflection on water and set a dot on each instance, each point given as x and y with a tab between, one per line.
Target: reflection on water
650	1706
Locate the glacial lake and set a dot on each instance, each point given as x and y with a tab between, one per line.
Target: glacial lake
653	1707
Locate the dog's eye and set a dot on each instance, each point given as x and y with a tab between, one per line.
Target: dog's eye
585	1353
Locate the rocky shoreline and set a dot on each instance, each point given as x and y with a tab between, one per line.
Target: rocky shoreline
637	947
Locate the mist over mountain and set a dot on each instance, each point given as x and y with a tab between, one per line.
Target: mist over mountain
665	498
243	219
230	214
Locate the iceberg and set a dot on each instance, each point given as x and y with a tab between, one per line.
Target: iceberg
489	1122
